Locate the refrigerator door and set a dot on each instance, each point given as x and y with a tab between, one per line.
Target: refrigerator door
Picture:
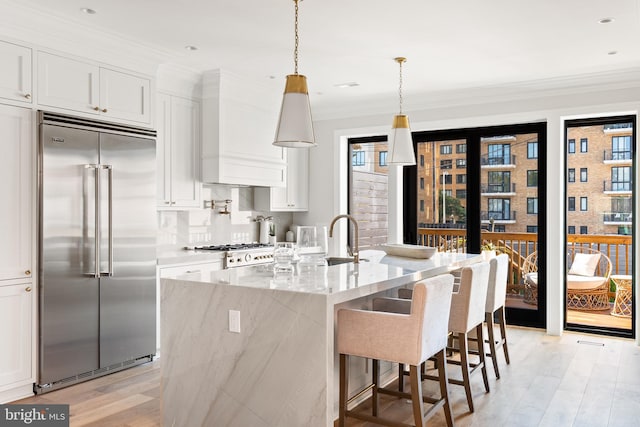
69	289
128	248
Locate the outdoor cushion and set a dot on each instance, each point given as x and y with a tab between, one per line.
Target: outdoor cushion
584	264
584	282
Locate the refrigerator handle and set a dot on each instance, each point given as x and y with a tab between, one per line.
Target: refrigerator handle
110	211
96	172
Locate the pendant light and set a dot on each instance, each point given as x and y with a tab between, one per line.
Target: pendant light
401	144
295	128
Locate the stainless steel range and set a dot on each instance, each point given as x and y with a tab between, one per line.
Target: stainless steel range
243	254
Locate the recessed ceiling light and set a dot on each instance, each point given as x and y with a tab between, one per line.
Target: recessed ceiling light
613	52
190	47
605	20
348	84
88	11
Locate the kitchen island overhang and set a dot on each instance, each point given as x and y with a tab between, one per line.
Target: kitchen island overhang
281	369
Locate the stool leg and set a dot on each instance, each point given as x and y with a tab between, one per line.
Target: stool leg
441	363
344	388
416	395
503	332
375	370
483	359
464	364
488	317
400	377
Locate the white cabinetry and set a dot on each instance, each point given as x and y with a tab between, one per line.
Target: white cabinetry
89	89
178	152
16	336
295	196
238	132
16	192
17	290
15	73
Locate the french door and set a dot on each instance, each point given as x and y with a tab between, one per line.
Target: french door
484	186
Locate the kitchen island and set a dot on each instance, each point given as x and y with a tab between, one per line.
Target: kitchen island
281	368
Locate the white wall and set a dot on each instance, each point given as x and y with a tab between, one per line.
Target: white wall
328	161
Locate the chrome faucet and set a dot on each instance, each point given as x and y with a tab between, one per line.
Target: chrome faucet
356	253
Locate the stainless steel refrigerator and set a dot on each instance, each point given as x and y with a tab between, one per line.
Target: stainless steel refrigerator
97	249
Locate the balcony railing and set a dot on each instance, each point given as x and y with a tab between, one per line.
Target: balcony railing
498	188
487	160
610	155
617	217
498	216
519	245
617	186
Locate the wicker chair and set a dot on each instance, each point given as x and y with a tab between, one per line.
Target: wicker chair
530	278
588	283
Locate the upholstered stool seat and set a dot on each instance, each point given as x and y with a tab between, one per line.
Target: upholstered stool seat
410	339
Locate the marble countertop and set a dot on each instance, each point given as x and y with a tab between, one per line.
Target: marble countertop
184	256
343	282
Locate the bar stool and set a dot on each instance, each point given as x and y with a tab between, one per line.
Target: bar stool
467	314
401	338
496	296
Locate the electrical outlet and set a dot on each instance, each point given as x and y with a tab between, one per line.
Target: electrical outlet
234	321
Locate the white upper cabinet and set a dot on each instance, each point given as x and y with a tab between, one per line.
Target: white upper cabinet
89	89
295	196
15	73
238	131
178	152
16	192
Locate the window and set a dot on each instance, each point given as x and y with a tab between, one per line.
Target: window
532	205
448	193
358	158
461	148
621	148
624	230
583	229
532	150
461	179
532	178
583	204
571	229
382	158
421	205
445	149
621	205
621	178
461	163
571	146
422	160
421	183
571	175
448	178
583	145
499	228
571	204
583	174
532	228
499	154
446	164
461	194
499	209
499	182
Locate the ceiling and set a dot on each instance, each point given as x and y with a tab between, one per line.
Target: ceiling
449	45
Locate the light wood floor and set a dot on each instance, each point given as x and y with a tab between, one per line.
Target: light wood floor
573	380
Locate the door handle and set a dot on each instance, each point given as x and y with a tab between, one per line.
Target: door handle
110	211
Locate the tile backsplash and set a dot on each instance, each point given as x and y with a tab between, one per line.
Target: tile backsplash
177	229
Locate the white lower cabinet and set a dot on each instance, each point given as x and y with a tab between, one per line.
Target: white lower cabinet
178	154
295	196
17	371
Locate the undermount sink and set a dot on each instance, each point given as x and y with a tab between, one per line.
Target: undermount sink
334	260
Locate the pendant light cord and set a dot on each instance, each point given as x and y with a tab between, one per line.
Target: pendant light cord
400	86
297	40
